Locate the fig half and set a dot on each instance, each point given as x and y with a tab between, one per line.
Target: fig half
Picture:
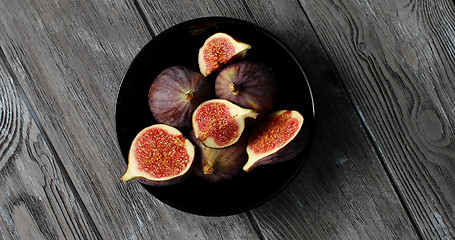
218	50
220	164
159	155
276	138
174	95
248	84
218	123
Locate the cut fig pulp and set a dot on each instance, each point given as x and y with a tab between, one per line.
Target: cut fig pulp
218	123
276	138
218	50
159	155
174	95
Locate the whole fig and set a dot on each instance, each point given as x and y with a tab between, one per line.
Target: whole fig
219	164
249	85
175	94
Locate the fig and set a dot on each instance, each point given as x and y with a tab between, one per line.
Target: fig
175	93
159	156
218	123
249	85
275	138
219	50
220	164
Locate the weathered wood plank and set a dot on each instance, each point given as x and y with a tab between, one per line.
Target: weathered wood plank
397	60
37	201
343	192
69	57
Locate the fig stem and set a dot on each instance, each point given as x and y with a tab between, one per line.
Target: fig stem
188	95
250	113
211	161
234	88
208	170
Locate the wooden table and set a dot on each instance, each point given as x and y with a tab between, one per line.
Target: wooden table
381	165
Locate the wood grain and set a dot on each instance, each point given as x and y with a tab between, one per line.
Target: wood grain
69	57
381	165
37	200
343	193
396	59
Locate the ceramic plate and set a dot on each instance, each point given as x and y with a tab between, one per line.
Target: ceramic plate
179	45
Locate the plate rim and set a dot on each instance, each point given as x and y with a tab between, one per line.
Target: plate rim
217	19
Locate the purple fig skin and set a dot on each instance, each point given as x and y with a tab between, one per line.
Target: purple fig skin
219	164
249	85
175	94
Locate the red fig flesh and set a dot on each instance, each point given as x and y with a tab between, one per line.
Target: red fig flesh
218	50
276	138
218	123
249	85
220	164
159	155
174	95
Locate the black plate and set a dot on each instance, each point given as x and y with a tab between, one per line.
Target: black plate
179	45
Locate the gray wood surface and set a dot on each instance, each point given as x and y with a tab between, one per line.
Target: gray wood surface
381	165
396	58
38	200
